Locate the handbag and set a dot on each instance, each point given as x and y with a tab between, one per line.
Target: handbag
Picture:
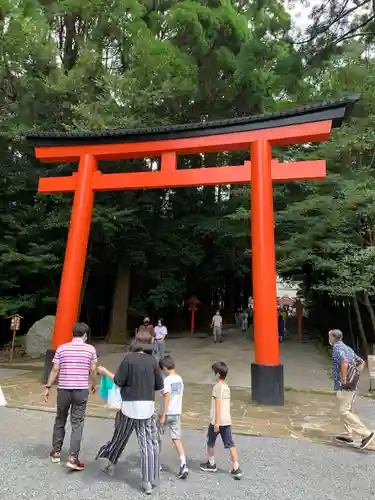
114	400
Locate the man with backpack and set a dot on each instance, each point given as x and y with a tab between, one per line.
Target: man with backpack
346	369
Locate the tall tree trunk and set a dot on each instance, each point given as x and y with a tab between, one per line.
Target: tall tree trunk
350	324
229	295
118	326
361	330
70	45
370	309
229	305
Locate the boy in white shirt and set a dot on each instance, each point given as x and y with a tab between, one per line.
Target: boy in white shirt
170	410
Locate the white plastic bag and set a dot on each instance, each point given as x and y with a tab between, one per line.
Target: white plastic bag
2	398
114	398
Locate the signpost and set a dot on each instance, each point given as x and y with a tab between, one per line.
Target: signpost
15	324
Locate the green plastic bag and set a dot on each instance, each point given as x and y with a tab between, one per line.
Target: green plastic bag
106	384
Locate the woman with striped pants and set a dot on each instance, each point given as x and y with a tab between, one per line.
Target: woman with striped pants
138	377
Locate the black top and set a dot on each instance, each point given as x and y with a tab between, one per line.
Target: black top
138	377
334	110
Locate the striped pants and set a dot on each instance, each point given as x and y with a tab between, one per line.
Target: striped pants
147	436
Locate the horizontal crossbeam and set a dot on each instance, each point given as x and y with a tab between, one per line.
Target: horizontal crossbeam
290	134
170	178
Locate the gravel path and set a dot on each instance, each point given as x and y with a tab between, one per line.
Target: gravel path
366	408
275	469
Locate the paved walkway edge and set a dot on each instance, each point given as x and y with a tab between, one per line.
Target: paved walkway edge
307	390
328	392
93	414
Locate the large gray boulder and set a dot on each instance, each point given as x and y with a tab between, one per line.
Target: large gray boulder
38	339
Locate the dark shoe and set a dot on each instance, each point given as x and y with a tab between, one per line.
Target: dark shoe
236	473
207	467
367	441
74	464
147	487
343	439
55	457
183	472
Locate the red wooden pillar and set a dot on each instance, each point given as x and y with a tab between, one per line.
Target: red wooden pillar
75	255
267	382
192	326
193	307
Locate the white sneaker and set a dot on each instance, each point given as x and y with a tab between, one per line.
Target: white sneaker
109	469
147	487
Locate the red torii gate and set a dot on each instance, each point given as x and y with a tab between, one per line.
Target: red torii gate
257	133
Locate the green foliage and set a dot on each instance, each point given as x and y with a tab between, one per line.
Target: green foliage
94	64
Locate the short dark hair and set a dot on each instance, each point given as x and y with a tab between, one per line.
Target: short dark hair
80	329
167	362
161	321
221	369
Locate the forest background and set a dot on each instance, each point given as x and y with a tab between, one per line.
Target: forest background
95	64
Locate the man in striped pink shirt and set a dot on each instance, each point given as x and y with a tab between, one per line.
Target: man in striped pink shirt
74	365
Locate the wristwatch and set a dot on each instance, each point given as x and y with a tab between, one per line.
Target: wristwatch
48	387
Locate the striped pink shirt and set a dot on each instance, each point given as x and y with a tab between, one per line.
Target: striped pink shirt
75	359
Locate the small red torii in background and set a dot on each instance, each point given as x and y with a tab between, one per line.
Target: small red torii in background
193	304
257	134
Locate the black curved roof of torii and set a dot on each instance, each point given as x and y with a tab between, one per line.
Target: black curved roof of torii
335	110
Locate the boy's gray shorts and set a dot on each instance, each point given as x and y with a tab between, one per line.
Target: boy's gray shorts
173	422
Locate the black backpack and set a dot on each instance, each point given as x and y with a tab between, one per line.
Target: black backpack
353	375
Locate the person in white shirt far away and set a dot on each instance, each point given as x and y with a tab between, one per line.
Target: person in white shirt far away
161	333
216	325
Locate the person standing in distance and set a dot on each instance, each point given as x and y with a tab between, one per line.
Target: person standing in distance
161	333
145	328
216	325
73	365
244	320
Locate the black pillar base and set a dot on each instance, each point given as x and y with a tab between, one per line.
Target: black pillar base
267	384
48	364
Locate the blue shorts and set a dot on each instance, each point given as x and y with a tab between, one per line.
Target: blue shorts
225	432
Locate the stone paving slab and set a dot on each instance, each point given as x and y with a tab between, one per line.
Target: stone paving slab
306	415
305	367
